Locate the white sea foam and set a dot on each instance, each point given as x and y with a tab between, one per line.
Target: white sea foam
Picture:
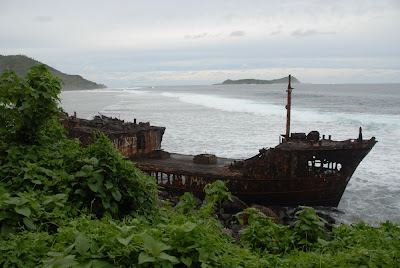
227	104
368	121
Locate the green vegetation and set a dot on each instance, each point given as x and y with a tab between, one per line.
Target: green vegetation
283	80
29	108
21	64
62	205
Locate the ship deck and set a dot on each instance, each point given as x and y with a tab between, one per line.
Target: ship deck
183	164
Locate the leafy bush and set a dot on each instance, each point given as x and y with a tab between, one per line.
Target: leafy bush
309	227
262	234
111	185
176	240
217	192
43	174
29	209
29	108
96	179
187	203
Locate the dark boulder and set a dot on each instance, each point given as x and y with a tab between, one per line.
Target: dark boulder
233	206
268	212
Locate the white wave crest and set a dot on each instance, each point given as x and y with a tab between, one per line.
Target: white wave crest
227	104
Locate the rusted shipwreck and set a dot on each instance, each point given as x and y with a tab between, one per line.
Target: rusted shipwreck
133	140
301	170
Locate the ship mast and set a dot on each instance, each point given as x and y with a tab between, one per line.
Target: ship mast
289	103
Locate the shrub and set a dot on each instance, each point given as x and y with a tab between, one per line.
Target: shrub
262	234
112	185
309	228
29	108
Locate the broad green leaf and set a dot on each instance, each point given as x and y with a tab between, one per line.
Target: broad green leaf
37	182
29	223
65	262
68	249
82	244
101	264
311	216
48	200
59	204
305	227
153	246
80	174
94	187
116	194
189	226
46	171
60	196
35	95
109	184
125	241
187	261
144	257
24	106
87	169
93	161
55	254
80	192
11	200
125	228
167	257
23	211
106	203
322	242
87	264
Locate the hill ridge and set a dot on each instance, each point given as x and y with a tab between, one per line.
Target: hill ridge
20	64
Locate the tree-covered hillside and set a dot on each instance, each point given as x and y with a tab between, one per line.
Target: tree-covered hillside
20	64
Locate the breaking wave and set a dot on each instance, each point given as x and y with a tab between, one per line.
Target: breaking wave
258	107
227	104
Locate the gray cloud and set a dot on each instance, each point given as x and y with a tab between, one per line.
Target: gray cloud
43	18
275	33
310	32
237	33
195	36
146	36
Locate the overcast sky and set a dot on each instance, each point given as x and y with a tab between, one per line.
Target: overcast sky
167	42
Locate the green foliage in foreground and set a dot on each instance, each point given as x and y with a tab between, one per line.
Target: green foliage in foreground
62	205
309	244
28	108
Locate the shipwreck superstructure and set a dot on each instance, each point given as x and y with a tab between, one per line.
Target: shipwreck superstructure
133	140
301	170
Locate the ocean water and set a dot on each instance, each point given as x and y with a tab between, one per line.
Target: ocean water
236	121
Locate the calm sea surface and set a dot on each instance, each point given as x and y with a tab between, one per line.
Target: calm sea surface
236	120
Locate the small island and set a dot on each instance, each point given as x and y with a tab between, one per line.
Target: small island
282	80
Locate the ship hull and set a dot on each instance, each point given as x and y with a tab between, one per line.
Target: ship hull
301	170
288	176
284	192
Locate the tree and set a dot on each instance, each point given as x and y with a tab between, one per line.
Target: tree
29	108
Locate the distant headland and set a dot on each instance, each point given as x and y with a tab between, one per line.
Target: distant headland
282	80
20	65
